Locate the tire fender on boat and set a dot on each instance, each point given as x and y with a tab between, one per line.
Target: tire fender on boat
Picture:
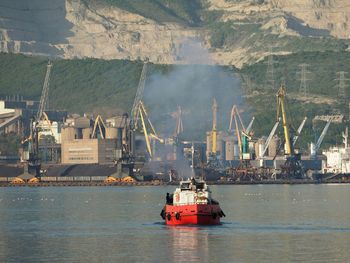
168	216
177	216
214	215
162	214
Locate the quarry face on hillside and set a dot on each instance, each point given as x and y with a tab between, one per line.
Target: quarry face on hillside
326	16
70	28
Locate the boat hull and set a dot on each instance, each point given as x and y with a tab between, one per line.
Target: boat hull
194	214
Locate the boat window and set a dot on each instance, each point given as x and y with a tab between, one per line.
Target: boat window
200	186
185	186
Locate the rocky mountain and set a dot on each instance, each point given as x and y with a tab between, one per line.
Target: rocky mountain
229	32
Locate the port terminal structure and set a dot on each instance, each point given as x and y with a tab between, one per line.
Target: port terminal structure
58	146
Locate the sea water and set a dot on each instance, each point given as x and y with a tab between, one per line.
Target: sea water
263	223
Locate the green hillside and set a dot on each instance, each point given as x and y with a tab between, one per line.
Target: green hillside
322	97
99	86
92	85
76	85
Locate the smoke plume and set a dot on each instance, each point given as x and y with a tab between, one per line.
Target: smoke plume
193	87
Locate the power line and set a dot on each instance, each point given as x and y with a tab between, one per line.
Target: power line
270	73
304	88
341	85
247	84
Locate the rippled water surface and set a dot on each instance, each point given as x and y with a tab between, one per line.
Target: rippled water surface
269	223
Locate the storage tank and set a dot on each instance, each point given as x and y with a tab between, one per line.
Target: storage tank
81	122
312	150
68	133
125	135
111	133
259	146
119	138
252	147
209	143
261	149
273	146
219	145
223	150
86	133
79	133
230	156
236	151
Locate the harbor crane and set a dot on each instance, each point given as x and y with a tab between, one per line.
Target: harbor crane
214	129
138	97
292	166
316	147
296	136
179	125
45	92
243	134
213	159
267	143
250	125
244	171
33	162
233	119
272	133
99	123
147	128
139	118
281	110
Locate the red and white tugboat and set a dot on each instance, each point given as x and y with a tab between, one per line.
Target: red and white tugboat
191	204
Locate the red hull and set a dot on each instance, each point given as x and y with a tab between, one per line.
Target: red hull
196	214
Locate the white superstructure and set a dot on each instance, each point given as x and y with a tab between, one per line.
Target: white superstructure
193	191
338	158
49	129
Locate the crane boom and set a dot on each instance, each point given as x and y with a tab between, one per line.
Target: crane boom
214	130
234	113
239	139
269	139
148	144
296	137
152	134
100	124
45	92
139	94
250	125
281	94
179	125
323	134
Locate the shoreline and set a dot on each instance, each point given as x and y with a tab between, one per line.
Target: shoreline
103	184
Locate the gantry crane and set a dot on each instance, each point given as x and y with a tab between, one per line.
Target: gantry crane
296	136
147	127
317	146
214	128
293	166
33	162
139	96
250	125
139	115
243	134
267	143
45	92
272	133
244	171
281	110
99	123
178	125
